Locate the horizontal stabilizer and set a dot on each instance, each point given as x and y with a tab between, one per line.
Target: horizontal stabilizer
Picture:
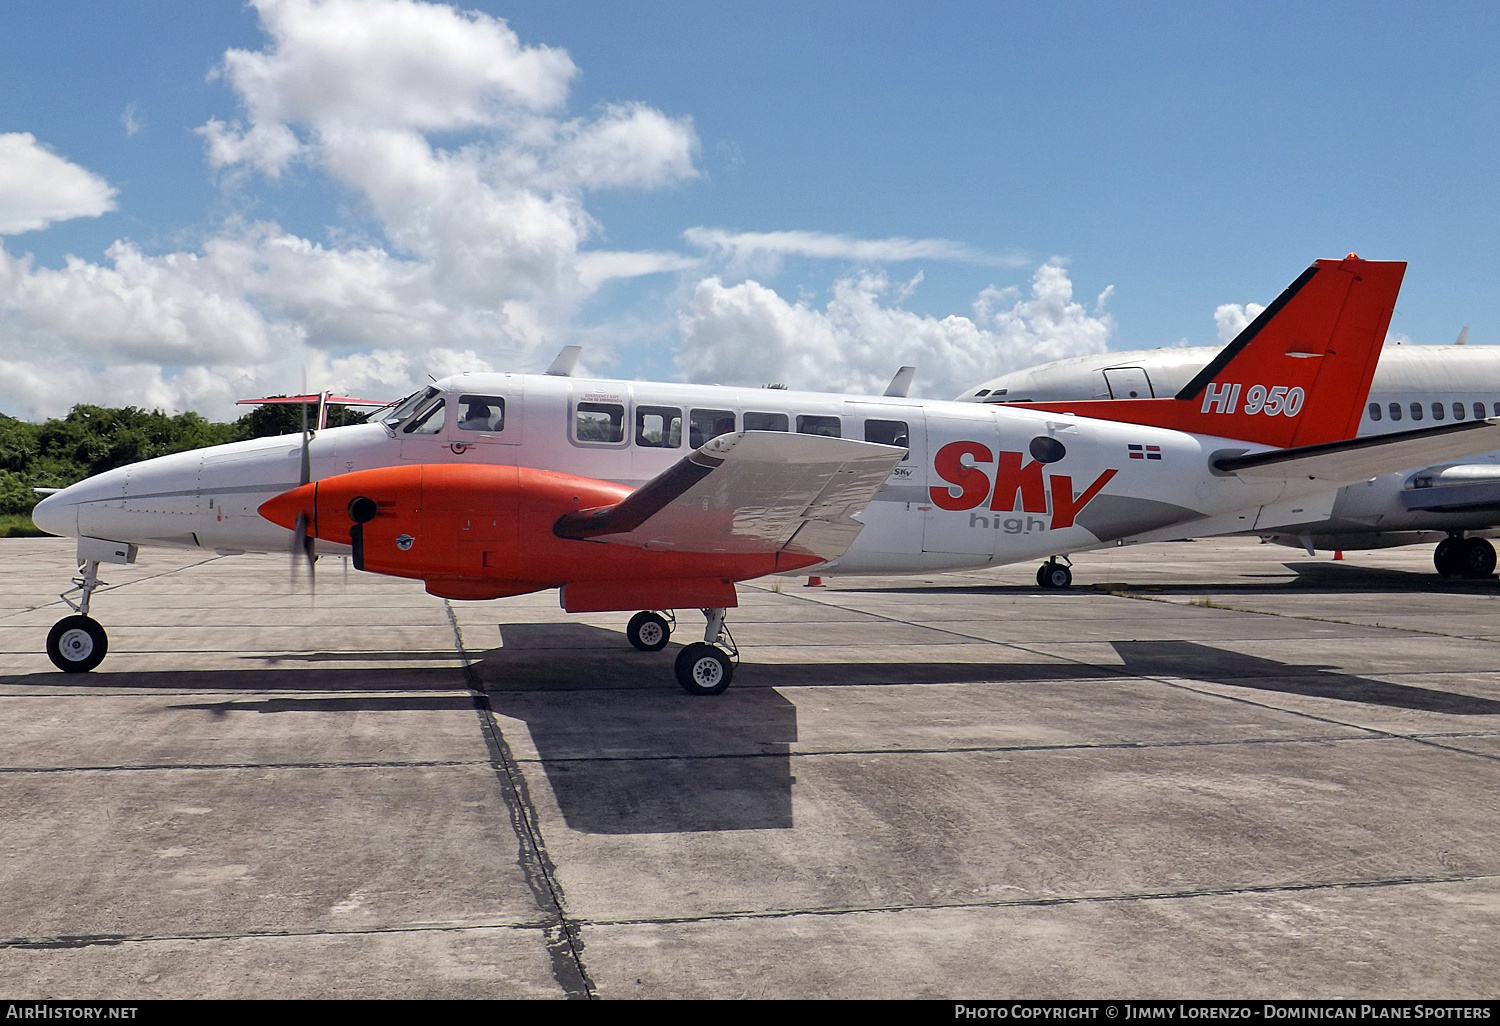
754	491
1360	459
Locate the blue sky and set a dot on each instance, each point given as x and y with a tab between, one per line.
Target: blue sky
1184	156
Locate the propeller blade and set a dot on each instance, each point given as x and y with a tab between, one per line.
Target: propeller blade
304	545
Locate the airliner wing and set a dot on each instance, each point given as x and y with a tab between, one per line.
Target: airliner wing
1359	459
754	491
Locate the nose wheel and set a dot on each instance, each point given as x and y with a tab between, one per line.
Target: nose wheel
77	644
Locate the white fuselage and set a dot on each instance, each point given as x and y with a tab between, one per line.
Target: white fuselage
628	432
1414	387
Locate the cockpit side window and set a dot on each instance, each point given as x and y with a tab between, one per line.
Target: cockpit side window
428	422
406	407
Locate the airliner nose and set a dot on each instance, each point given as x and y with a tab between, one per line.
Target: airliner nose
57	514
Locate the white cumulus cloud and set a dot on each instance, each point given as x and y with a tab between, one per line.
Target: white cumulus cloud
1232	318
37	187
747	334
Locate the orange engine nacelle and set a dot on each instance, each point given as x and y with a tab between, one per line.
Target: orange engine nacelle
480	531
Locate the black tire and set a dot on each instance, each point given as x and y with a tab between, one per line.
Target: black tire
1446	557
1477	558
649	632
77	644
703	669
1054	575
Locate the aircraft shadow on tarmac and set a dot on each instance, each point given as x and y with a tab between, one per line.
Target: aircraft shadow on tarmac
626	752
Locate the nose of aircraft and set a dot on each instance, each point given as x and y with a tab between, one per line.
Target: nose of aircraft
284	508
57	514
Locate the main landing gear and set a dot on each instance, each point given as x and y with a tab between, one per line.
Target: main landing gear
1457	556
703	667
1054	574
77	644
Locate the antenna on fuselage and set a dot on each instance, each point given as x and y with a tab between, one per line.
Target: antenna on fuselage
567	359
1463	337
901	384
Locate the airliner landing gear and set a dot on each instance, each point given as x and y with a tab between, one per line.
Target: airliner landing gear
706	667
77	644
1457	556
650	631
1053	574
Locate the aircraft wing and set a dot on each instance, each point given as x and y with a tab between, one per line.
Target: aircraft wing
1359	459
753	491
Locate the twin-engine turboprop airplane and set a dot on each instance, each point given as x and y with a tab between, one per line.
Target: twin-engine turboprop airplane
653	497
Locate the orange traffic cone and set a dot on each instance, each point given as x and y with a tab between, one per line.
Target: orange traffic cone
1338	554
814	582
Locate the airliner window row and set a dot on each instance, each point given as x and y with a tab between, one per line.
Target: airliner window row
660	427
1439	411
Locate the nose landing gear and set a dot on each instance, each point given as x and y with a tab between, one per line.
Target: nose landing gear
77	644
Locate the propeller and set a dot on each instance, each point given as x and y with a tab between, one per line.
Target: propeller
304	545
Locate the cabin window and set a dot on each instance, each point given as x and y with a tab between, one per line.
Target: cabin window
599	422
1459	413
709	424
429	421
1395	411
1416	411
1479	411
767	422
1437	411
481	413
1497	409
827	426
889	432
658	427
1374	411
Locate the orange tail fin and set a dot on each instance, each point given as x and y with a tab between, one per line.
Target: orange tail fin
1298	375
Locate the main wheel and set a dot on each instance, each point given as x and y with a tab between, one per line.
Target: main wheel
1446	557
77	644
648	632
1476	559
1054	575
703	669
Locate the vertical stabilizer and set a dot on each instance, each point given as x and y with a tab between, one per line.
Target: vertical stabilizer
1299	374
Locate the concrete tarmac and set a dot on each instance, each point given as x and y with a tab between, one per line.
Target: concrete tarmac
1211	769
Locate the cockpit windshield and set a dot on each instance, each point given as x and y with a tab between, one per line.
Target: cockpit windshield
406	407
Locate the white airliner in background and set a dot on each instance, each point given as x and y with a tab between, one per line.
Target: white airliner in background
1414	386
630	495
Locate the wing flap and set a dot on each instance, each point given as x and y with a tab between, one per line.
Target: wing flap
1360	459
754	491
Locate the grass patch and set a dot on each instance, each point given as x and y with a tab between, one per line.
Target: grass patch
19	525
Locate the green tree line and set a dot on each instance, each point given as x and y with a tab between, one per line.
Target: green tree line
93	439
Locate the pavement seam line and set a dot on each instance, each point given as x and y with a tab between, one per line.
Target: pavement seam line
86	940
1077	899
104	588
563	934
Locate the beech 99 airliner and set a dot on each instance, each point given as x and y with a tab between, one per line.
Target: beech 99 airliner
629	495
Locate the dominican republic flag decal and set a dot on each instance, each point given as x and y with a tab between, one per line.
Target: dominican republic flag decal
1144	452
